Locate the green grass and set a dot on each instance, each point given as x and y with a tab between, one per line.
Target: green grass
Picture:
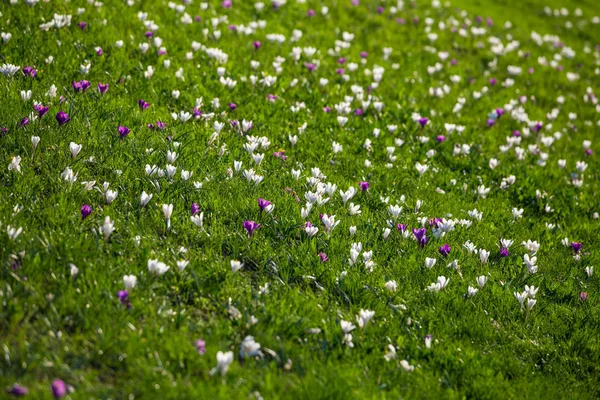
55	326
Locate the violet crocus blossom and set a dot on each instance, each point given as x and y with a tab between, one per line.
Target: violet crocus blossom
29	71
18	390
576	247
123	296
310	13
123	131
421	236
363	186
143	104
24	122
59	388
86	210
62	118
423	121
504	252
226	4
263	204
445	250
323	257
310	66
82	25
402	227
200	346
251	226
195	208
232	106
103	88
440	138
41	110
257	45
583	296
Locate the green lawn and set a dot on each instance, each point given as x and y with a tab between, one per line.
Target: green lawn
504	104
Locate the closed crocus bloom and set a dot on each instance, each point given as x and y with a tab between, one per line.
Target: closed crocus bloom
62	118
250	227
129	281
86	210
59	389
264	205
363	186
103	88
445	250
200	346
123	131
41	110
18	390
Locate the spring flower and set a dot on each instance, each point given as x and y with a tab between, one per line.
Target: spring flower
123	131
483	256
589	271
62	118
406	366
145	198
200	346
123	296
323	257
12	232
195	208
59	389
249	347
15	164
391	286
265	205
364	186
167	210
224	360
420	236
236	266
329	223
157	267
430	262
86	210
251	226
576	247
129	281
75	149
182	264
41	110
445	250
198	220
107	228
18	390
363	317
583	296
481	281
471	291
428	339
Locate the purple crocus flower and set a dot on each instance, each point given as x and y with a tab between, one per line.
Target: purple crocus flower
359	112
423	121
99	52
263	204
103	88
232	106
280	154
363	186
537	127
82	25
18	390
62	118
341	60
251	226
257	45
340	71
123	296
310	13
76	86
59	388
434	222
493	81
441	138
364	54
197	113
490	122
327	109
226	4
588	152
143	104
311	67
380	10
583	296
200	346
576	247
271	97
85	85
150	126
420	235
24	122
499	112
41	110
445	250
29	71
195	208
323	257
402	227
504	252
161	125
86	210
123	131
3	131
516	133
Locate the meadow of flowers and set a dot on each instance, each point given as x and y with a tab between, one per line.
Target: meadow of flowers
299	199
